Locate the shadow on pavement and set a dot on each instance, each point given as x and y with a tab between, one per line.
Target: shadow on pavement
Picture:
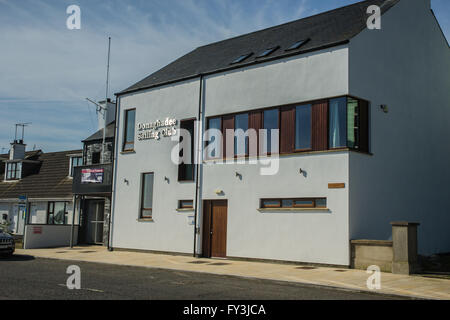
17	258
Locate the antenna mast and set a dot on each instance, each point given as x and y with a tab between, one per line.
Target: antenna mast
23	125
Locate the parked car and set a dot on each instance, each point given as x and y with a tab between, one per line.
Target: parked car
7	244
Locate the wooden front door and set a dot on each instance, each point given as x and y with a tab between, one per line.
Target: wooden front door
215	217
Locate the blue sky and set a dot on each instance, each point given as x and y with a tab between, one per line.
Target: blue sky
47	71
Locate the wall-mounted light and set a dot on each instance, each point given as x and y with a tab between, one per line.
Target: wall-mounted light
126	181
384	108
167	179
303	172
238	175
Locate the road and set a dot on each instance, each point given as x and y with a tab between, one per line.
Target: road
24	277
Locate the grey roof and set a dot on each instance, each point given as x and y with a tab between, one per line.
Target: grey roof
110	133
47	179
324	30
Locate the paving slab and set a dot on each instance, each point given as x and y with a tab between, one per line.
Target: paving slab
409	286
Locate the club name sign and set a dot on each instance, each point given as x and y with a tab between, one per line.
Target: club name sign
157	130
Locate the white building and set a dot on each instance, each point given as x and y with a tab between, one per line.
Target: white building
363	118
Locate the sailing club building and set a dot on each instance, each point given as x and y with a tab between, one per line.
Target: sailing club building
357	120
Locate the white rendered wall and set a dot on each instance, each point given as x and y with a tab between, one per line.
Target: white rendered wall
311	76
319	237
48	236
307	236
170	230
405	65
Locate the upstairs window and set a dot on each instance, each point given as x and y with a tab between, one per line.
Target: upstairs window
338	123
129	129
349	124
186	168
75	162
96	157
13	170
303	125
270	122
215	124
241	138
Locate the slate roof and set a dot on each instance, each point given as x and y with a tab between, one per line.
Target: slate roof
110	133
324	30
50	179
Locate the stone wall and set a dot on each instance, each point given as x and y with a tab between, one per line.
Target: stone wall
97	147
366	253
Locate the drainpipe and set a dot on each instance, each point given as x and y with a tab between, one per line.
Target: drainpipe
199	159
114	177
72	229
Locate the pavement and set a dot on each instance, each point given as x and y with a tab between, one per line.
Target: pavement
355	280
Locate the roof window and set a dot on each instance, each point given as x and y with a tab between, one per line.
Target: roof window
267	52
297	45
242	58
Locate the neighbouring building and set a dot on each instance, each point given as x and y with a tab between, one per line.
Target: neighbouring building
363	119
92	183
36	199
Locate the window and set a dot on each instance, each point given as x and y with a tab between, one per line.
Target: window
349	124
241	138
294	203
241	58
270	122
186	170
215	124
303	124
96	157
186	204
130	119
267	52
13	170
75	162
147	196
297	45
57	213
326	124
338	123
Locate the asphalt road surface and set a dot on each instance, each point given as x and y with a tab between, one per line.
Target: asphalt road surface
23	277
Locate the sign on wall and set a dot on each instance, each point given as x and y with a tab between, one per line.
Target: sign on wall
157	130
92	175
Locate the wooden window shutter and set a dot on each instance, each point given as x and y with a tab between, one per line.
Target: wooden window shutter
320	126
227	124
255	122
287	130
364	126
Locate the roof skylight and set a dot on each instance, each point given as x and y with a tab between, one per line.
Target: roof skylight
297	45
242	58
267	52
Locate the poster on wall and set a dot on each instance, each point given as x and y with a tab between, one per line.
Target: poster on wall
92	175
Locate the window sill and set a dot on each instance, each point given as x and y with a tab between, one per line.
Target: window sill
128	152
263	210
186	210
145	220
